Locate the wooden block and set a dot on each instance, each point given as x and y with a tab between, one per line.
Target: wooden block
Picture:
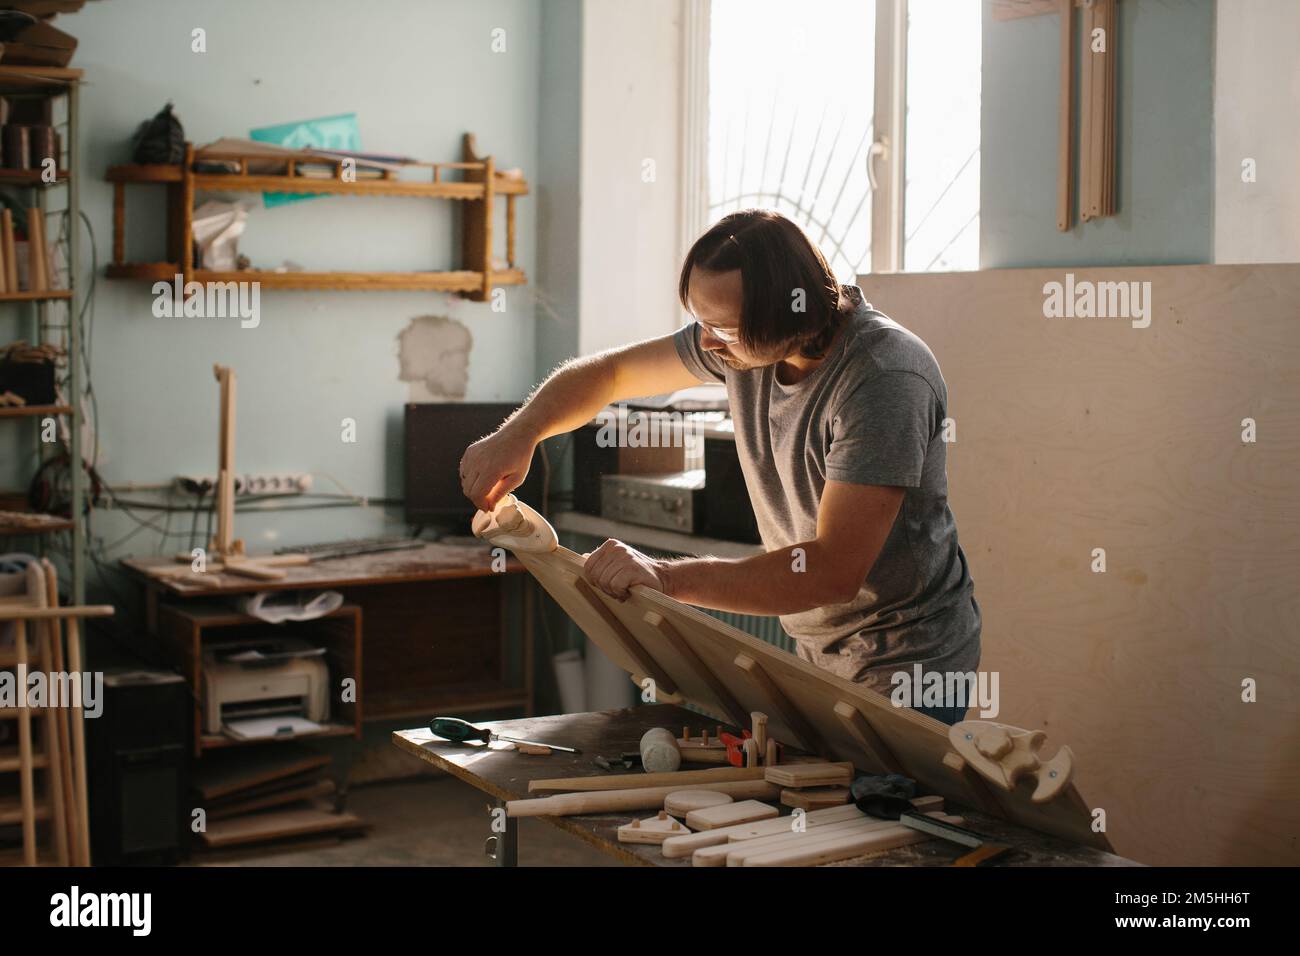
651	830
682	803
930	804
743	811
799	775
815	798
536	750
770	754
685	846
751	752
36	269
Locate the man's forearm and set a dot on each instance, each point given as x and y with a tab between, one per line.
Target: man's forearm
777	582
568	399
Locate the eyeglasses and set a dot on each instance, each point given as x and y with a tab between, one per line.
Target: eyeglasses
722	335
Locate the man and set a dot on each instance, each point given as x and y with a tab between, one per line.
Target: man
839	416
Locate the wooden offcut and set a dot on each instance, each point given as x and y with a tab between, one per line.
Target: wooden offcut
810	775
730	814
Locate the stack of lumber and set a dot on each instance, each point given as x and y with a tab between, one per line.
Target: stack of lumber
729	816
268	793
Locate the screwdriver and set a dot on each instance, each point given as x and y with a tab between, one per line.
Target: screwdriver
453	728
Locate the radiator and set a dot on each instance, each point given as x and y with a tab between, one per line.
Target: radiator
764	628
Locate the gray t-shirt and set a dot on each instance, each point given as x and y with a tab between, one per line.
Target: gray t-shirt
871	413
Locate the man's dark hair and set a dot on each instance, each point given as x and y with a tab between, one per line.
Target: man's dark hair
775	258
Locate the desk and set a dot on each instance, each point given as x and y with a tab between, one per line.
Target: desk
424	612
504	773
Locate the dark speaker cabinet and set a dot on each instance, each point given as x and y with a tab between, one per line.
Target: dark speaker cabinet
728	514
138	763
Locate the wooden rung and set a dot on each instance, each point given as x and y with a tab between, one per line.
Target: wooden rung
867	738
11	810
28	613
980	790
646	664
730	705
9	660
781	706
11	761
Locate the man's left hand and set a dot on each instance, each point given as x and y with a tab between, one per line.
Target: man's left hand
614	568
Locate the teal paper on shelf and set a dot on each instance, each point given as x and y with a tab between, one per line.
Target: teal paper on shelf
328	132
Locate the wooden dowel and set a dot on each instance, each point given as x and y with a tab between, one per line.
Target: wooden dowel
640	798
1097	105
682	779
61	713
1085	113
1065	120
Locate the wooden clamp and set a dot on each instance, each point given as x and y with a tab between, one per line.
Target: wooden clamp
1002	754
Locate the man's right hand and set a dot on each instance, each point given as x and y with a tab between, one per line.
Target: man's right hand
494	466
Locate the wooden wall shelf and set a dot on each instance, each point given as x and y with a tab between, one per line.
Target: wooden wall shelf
478	190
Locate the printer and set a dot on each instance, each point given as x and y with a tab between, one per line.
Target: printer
268	677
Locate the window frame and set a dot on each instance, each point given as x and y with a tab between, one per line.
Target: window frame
887	157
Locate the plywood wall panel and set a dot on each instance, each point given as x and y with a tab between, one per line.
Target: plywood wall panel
1074	434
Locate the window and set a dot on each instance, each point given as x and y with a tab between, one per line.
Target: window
792	92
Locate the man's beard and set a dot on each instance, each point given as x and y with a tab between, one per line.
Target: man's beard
736	364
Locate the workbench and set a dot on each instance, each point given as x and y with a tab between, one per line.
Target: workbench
436	622
503	773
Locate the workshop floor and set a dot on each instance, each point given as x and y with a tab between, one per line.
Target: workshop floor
427	821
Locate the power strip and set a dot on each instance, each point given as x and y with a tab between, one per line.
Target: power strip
286	483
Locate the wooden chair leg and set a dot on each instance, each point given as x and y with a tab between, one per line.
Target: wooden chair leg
82	808
26	783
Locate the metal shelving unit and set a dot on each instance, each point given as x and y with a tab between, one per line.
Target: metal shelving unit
40	81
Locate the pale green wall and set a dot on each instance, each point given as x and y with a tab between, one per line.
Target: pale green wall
1164	127
418	73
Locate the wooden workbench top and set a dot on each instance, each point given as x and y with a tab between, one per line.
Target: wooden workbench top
504	773
433	562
